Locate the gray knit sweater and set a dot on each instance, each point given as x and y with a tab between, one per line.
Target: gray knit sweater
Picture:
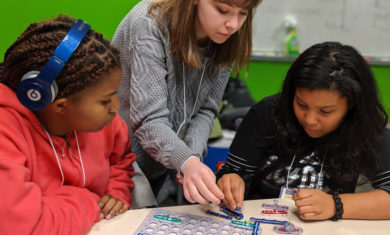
152	95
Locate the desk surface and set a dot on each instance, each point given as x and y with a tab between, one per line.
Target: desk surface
128	222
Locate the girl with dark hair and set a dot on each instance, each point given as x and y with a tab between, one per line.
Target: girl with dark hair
68	165
176	57
324	130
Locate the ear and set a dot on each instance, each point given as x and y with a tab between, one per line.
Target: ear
59	105
196	2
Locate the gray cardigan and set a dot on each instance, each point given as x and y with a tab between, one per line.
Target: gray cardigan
152	95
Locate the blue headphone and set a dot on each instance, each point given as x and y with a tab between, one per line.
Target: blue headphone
38	89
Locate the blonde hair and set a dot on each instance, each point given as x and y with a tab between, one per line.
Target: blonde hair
180	17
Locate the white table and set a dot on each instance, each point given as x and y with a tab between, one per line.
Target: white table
128	222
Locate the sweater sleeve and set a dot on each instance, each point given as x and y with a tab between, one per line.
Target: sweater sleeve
24	208
382	179
247	151
149	113
244	148
120	184
202	123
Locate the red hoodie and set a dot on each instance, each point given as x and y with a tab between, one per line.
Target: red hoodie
32	198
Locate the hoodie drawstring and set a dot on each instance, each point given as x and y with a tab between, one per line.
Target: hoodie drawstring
58	160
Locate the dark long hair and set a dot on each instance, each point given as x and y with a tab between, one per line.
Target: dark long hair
92	58
352	146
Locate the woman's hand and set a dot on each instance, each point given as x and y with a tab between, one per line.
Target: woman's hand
314	204
111	206
233	188
199	183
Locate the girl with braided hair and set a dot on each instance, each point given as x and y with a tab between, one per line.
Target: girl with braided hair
325	129
66	166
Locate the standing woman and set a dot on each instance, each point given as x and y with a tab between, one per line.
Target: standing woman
177	56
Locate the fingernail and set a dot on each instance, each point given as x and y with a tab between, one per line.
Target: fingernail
101	216
109	216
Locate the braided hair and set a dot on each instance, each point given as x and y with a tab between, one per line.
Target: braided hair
93	57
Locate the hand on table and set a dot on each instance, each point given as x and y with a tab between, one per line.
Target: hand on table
111	206
199	183
314	204
233	188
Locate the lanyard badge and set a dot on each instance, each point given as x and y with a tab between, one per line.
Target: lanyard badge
287	193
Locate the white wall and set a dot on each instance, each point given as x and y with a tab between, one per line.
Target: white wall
364	24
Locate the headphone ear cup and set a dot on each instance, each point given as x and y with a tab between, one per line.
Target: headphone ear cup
37	89
34	93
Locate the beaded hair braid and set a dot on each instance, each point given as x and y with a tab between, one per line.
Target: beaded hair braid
93	58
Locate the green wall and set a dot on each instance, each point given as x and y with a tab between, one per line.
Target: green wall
264	78
102	15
